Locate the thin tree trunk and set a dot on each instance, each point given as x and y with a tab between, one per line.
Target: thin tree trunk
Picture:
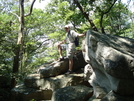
19	50
102	15
86	15
15	66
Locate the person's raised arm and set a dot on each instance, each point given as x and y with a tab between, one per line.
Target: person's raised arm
79	35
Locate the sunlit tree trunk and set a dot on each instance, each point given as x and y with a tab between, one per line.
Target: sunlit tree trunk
19	50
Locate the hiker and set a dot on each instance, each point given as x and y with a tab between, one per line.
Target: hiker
70	46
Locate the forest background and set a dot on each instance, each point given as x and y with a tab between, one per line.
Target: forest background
28	34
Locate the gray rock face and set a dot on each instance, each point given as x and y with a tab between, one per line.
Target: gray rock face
72	93
48	78
61	67
112	62
22	93
53	83
41	89
111	96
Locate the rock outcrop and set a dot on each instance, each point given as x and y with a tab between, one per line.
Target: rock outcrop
47	79
109	70
40	89
110	64
73	93
57	68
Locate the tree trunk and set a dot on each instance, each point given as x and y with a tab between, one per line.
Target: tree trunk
19	50
15	66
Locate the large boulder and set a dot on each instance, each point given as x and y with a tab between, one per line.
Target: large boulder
48	78
111	60
22	93
53	83
60	67
72	93
40	89
112	96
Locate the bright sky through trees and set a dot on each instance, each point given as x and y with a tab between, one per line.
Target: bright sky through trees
131	4
40	4
43	3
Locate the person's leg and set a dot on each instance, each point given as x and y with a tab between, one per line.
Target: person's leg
70	64
60	51
70	55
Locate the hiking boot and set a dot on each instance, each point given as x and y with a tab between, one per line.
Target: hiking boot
69	72
61	59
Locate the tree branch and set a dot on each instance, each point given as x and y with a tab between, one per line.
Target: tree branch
38	46
15	14
86	15
31	8
102	15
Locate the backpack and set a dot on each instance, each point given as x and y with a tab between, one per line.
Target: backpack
76	40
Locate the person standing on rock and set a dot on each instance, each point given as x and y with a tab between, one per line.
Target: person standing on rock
70	46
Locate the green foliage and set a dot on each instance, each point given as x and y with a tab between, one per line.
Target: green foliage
33	100
116	20
56	36
6	44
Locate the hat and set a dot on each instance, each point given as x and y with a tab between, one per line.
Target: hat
66	26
